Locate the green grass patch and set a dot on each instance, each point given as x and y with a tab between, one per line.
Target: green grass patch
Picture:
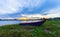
51	28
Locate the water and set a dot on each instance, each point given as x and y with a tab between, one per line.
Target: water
14	22
9	22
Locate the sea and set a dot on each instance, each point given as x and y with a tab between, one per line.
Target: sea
8	22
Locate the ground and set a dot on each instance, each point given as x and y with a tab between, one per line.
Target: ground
51	28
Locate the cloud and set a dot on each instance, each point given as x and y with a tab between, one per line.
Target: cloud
9	6
33	6
41	16
55	12
52	13
14	6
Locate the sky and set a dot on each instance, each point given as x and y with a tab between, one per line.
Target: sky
18	8
29	8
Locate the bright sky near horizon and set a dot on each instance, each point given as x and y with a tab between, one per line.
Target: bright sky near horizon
17	8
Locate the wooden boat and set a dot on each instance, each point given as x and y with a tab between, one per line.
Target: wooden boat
33	23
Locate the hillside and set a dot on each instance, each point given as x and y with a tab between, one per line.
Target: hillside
51	28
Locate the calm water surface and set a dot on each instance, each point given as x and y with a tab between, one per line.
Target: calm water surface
9	22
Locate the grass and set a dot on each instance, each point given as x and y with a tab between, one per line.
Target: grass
51	28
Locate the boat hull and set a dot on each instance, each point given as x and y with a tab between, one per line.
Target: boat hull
33	23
